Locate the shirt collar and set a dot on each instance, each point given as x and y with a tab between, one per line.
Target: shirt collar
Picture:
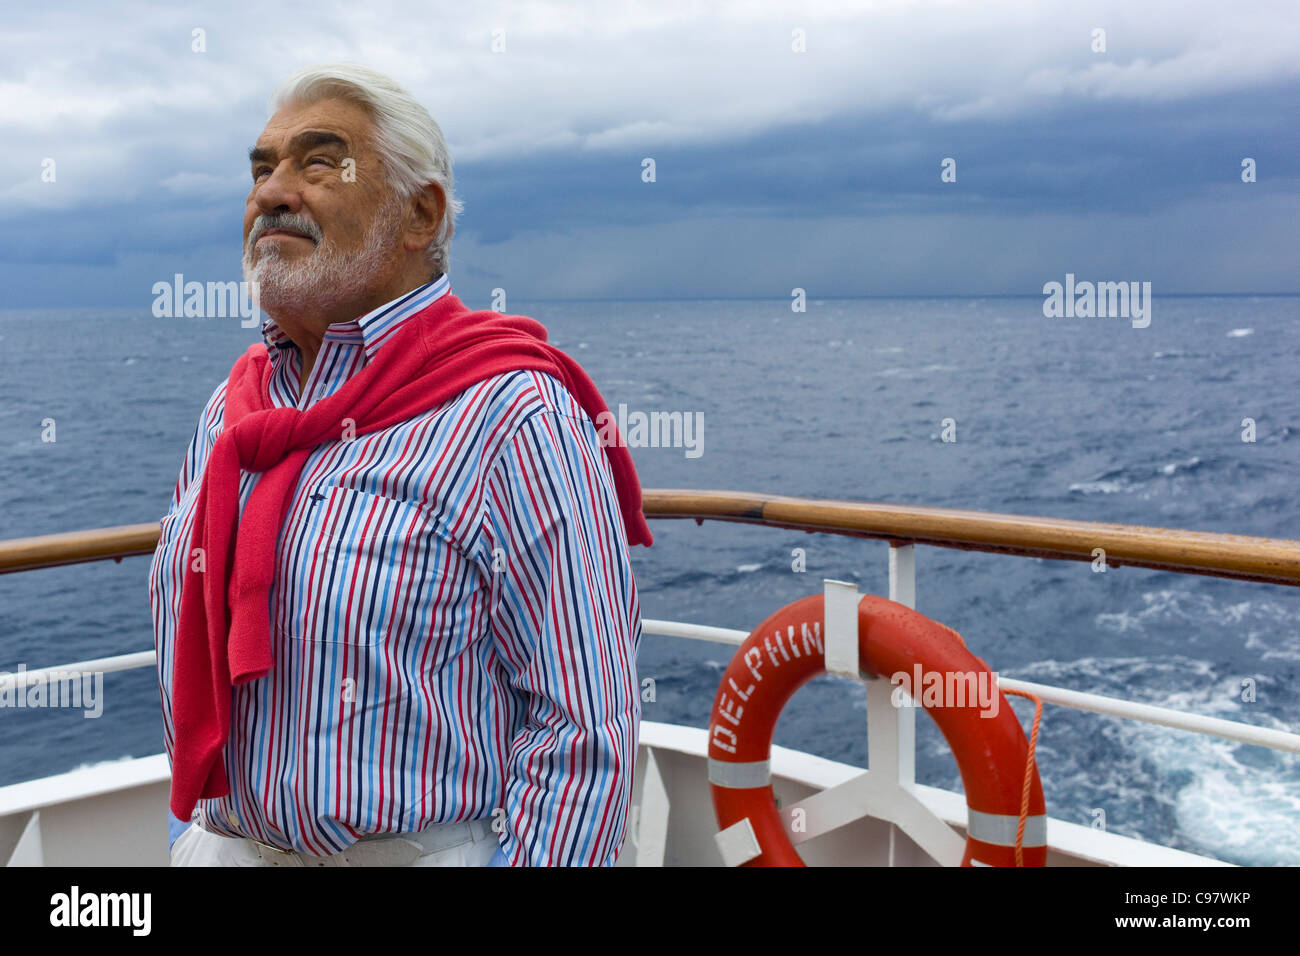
375	327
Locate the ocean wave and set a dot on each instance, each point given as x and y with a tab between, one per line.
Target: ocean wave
1176	467
915	372
1168	606
1135	477
1229	801
1098	487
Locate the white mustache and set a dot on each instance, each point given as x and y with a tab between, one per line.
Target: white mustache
284	220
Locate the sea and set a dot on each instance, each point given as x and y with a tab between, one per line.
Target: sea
976	403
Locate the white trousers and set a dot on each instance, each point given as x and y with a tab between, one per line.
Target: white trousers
452	845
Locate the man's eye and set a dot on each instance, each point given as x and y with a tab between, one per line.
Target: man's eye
259	173
319	159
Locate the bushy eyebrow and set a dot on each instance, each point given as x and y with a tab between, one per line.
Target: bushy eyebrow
307	139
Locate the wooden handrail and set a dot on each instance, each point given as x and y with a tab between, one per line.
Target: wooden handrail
1272	560
75	547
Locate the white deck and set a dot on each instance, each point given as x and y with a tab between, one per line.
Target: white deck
115	814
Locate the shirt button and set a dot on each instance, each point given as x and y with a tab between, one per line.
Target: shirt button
233	817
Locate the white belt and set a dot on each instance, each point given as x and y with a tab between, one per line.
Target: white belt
384	849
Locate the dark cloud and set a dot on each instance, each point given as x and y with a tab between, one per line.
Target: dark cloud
1063	160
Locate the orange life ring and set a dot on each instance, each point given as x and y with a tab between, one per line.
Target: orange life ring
786	651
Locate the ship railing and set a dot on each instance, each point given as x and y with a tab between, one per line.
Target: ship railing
886	789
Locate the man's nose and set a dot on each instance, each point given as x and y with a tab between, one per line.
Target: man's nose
280	191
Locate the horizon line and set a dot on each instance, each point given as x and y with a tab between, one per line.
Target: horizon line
766	298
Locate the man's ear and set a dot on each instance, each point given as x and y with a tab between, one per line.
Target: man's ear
426	210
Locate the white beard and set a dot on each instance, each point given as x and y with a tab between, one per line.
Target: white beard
327	278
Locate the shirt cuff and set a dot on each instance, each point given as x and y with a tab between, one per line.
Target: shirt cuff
175	827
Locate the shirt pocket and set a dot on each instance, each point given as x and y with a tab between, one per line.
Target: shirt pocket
358	577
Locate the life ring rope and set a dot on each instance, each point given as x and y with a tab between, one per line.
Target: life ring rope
1031	768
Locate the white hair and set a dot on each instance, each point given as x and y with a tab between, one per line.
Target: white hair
411	146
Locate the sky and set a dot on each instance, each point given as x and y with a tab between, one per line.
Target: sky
775	167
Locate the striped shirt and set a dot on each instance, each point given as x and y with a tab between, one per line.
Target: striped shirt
454	622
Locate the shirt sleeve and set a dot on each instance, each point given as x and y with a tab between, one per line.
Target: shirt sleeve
196	455
167	570
175	827
565	624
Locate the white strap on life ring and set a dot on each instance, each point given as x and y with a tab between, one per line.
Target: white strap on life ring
999	829
740	776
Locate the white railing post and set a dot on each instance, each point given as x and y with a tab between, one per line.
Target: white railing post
891	730
902	574
894	737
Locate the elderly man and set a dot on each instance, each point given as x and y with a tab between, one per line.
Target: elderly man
395	617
